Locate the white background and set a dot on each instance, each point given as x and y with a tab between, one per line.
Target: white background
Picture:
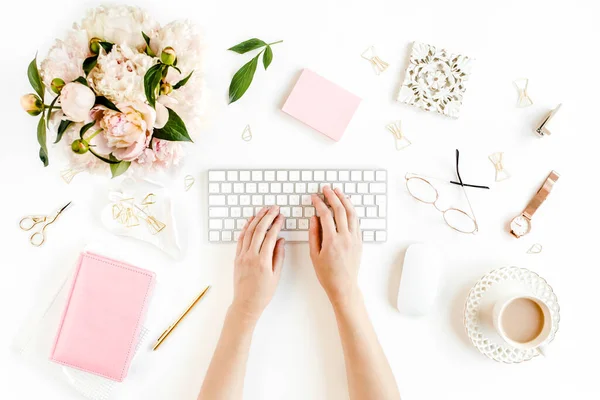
296	353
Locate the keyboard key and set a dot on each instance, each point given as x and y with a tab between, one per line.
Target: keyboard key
236	212
360	212
356	199
226	188
356	176
257	176
240	223
238	188
232	200
300	188
244	176
362	188
313	188
321	186
257	200
368	236
294	176
371	223
232	176
377	187
296	212
350	188
229	224
319	176
226	236
213	188
344	176
369	176
269	200
236	235
303	224
263	188
307	176
275	187
338	185
213	236
309	212
306	200
248	212
269	176
331	176
290	223
285	211
257	210
288	188
251	188
282	200
215	224
244	200
368	199
294	200
282	176
294	236
216	176
382	212
371	212
380	236
218	212
381	176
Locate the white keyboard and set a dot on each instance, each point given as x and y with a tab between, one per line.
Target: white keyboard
236	195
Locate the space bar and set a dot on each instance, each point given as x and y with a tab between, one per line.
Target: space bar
294	236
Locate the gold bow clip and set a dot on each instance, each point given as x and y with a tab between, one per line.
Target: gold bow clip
378	64
524	99
402	141
501	173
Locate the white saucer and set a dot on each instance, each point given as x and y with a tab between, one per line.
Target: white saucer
480	302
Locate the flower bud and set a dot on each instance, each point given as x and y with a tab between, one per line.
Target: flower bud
32	104
166	88
168	56
95	45
56	85
80	146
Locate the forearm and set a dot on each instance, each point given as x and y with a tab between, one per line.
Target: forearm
368	371
225	376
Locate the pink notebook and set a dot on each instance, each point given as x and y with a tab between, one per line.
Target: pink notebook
103	317
321	104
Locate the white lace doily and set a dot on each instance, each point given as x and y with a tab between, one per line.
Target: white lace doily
477	318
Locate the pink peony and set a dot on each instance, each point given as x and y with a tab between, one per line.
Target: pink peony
76	101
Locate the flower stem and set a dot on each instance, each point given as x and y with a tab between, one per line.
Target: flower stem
279	41
93	135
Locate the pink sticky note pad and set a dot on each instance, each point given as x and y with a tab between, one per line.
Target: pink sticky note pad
103	316
321	104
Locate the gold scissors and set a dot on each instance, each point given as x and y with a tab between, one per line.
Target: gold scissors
30	221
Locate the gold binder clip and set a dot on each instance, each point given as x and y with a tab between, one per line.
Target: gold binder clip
543	130
501	173
378	64
188	182
401	141
247	134
524	99
69	173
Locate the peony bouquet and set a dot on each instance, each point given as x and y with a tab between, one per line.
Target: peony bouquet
123	93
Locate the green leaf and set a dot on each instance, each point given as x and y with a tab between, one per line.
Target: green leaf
151	83
62	128
81	80
183	81
103	101
148	49
106	160
41	137
120	168
34	78
107	46
50	110
174	130
242	79
85	128
175	68
89	64
248	45
267	57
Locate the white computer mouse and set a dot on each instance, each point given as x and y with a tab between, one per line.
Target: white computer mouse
419	281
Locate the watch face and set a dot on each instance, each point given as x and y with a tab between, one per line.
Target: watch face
520	226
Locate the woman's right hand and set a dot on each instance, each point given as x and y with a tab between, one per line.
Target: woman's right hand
336	246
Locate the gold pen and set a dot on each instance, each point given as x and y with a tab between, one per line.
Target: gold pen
170	329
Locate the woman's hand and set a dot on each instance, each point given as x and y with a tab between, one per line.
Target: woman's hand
336	246
258	263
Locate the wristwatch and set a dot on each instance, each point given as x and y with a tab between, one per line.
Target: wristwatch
521	224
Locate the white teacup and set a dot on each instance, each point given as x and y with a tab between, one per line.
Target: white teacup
523	322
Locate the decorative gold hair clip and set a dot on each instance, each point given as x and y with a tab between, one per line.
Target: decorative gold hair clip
188	182
524	99
247	134
378	64
69	173
401	141
501	173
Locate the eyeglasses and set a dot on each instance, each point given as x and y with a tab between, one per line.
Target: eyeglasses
424	191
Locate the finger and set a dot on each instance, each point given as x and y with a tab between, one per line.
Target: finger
240	243
353	225
278	256
252	227
262	227
314	237
326	218
341	220
268	245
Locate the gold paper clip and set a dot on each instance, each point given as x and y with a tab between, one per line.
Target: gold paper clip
535	249
401	141
247	134
501	173
149	199
154	225
69	173
378	64
188	182
524	99
543	130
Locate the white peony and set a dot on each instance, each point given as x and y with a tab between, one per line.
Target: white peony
76	101
122	25
65	58
119	75
185	38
